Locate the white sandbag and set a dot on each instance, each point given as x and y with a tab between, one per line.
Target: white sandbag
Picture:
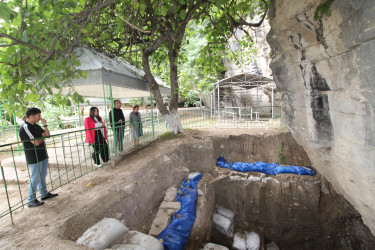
223	225
228	233
192	175
128	247
143	240
252	241
103	234
225	212
212	246
239	241
200	192
272	246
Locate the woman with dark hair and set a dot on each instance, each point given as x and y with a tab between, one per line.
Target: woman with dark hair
136	124
96	135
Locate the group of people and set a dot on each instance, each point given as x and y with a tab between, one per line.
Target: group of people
32	136
96	133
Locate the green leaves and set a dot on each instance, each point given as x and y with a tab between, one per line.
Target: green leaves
6	13
28	73
32	97
163	10
142	8
90	40
323	9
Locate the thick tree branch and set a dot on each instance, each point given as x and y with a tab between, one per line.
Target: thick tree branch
154	87
128	23
17	41
243	22
8	45
173	74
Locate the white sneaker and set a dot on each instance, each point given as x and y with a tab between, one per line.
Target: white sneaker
98	166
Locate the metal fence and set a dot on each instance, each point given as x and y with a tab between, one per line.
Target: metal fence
71	158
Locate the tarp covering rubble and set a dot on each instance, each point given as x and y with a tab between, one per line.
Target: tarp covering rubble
176	235
267	168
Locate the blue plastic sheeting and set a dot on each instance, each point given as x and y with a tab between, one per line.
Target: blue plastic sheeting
267	168
176	235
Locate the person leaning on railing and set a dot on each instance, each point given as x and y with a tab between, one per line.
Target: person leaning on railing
96	135
36	155
135	120
119	127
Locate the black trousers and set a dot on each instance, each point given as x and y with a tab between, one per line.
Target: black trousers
119	131
100	148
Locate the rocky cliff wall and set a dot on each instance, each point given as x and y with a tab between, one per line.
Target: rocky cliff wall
325	71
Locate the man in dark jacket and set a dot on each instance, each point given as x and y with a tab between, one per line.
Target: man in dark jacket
119	120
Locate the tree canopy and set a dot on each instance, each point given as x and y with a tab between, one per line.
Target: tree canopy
38	40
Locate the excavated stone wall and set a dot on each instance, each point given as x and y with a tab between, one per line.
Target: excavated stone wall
293	211
325	71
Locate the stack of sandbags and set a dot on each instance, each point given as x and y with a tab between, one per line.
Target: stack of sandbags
239	241
272	246
252	241
134	240
103	234
224	220
246	241
212	246
111	232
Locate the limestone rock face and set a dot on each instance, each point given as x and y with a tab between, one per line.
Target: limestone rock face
325	71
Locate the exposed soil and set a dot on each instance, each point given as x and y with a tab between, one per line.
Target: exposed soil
132	187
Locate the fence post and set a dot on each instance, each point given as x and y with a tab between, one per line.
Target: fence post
15	170
113	122
6	192
1	120
152	116
272	101
106	117
218	101
16	132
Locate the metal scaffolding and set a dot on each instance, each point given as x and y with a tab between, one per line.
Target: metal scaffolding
244	81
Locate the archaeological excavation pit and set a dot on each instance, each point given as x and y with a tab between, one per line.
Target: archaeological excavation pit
293	211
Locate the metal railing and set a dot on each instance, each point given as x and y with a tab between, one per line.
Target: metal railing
71	158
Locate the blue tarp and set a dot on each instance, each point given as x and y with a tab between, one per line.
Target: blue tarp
176	235
267	168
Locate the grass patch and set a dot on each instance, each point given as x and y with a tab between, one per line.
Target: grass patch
283	129
192	129
169	135
281	155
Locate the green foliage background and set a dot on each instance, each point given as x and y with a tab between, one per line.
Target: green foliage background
38	38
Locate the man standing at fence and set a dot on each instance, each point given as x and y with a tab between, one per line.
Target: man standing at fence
119	120
36	155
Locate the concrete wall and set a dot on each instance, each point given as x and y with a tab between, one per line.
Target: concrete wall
325	70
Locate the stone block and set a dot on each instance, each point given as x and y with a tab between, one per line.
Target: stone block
170	194
161	221
170	205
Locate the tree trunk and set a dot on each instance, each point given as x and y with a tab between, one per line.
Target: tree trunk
175	124
170	115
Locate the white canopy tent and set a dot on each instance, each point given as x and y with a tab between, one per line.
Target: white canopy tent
109	79
124	80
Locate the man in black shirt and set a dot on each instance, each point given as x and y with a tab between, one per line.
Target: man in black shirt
36	155
119	128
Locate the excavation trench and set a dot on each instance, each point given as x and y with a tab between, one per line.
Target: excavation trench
295	212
